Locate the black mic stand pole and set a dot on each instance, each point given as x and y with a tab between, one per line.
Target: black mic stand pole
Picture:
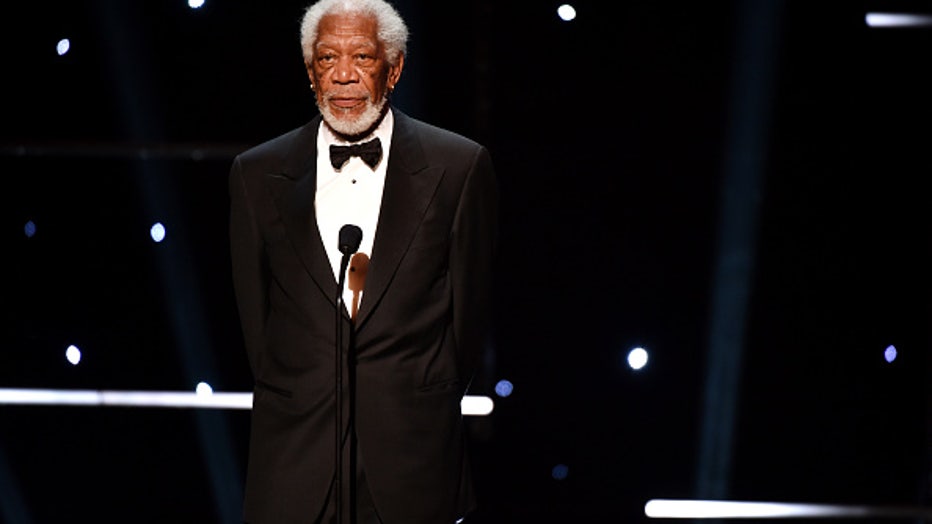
349	239
338	396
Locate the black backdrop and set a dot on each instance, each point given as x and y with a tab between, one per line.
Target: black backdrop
622	140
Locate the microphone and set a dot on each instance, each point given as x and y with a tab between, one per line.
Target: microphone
350	237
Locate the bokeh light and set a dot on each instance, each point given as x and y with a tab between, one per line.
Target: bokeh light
157	232
637	358
73	354
889	354
566	12
560	472
504	388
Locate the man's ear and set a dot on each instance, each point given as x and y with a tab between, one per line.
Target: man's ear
394	71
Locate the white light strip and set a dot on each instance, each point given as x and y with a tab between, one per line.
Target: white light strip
477	405
470	405
723	509
897	20
171	399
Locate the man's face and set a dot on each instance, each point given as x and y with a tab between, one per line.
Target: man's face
349	72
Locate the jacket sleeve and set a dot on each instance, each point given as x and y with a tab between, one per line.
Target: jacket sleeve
472	251
249	267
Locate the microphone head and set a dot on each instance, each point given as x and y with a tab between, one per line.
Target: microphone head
350	237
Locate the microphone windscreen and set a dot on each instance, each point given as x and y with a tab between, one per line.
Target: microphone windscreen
350	237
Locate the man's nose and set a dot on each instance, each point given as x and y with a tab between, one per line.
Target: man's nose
344	72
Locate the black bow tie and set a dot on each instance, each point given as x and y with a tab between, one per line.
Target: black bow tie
370	152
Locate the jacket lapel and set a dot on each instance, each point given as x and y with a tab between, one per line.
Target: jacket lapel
409	185
294	191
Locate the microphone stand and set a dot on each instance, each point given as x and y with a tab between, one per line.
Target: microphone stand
350	237
338	397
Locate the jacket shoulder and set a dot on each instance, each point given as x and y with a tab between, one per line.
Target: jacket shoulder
432	135
274	153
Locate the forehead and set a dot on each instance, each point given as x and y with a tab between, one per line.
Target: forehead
346	28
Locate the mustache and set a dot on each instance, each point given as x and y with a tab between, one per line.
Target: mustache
331	94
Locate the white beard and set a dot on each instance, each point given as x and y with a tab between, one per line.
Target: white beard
356	127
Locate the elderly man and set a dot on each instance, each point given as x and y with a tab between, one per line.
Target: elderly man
414	315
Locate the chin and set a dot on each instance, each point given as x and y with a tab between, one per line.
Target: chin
353	126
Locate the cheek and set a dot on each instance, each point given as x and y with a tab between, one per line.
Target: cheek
376	84
319	76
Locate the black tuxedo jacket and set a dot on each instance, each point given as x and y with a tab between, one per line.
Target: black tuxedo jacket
419	331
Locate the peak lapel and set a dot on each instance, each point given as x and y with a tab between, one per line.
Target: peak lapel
409	186
294	191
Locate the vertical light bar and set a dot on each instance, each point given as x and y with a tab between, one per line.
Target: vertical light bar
749	116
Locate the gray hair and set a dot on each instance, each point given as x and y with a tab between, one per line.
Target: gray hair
392	30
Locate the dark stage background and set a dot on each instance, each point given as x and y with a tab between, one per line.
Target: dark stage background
738	187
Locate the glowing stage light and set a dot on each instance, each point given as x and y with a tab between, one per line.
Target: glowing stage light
157	399
504	388
889	354
566	12
30	229
637	358
897	20
157	232
203	388
195	4
476	405
73	354
473	405
725	509
63	46
560	472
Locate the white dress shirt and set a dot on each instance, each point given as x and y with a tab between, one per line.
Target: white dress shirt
352	195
